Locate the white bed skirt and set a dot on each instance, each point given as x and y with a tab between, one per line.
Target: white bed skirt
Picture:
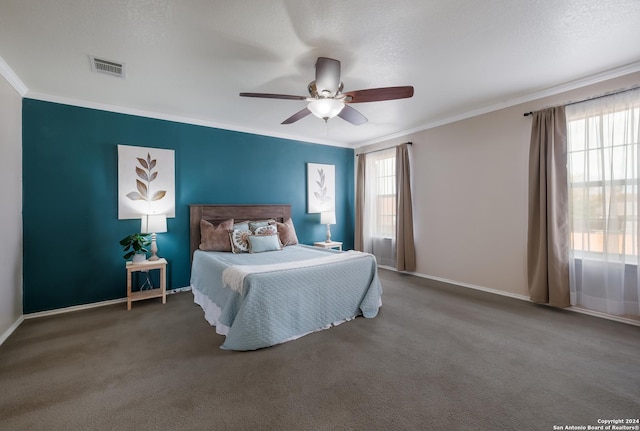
211	311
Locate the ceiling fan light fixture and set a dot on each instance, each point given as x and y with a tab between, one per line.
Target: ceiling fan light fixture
327	99
325	108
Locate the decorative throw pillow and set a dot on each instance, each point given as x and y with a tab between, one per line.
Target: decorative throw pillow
243	225
215	238
239	240
253	225
262	243
269	229
287	233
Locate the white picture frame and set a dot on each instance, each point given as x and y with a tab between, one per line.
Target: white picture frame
321	188
146	182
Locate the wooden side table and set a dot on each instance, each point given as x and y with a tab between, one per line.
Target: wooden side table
161	292
331	244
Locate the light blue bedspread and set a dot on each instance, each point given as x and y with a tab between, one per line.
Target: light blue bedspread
279	306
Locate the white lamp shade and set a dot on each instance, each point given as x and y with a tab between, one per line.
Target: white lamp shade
154	223
325	108
328	217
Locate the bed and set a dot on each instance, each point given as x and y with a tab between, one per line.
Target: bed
261	299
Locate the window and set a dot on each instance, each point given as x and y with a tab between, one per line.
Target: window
603	138
603	180
381	169
379	224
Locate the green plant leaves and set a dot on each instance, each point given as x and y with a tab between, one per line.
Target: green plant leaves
133	244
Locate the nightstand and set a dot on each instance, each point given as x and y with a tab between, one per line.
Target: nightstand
331	244
148	265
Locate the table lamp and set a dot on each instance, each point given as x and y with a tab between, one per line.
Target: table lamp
153	224
328	218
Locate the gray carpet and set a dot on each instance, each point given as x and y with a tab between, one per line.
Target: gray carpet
437	357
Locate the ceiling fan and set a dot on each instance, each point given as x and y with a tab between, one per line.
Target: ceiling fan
327	100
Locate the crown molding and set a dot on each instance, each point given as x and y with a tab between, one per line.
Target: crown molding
551	91
12	78
22	89
168	117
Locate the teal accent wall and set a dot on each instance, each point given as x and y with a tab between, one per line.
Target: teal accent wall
70	181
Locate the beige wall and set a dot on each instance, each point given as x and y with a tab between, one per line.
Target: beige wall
11	214
470	193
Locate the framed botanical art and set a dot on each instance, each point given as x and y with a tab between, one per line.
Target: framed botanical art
321	188
146	182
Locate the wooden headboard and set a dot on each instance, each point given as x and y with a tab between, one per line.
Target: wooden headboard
219	213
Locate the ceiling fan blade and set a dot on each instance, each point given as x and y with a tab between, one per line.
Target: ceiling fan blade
273	96
378	94
352	115
297	116
327	76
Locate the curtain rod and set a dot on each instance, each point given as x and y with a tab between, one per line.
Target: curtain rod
382	149
526	114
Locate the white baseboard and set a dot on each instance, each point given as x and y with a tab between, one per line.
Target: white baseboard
517	296
471	286
92	305
604	316
73	308
459	283
12	328
9	331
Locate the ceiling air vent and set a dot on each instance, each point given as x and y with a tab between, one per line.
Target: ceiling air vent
109	67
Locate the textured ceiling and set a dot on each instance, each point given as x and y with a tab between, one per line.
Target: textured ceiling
189	59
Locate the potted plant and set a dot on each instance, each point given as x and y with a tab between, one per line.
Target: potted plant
134	246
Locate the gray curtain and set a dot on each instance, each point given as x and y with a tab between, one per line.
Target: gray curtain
405	248
359	234
548	235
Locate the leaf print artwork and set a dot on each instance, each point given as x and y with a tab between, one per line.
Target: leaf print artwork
322	195
321	187
146	175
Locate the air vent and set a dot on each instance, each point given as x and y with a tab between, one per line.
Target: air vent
109	67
